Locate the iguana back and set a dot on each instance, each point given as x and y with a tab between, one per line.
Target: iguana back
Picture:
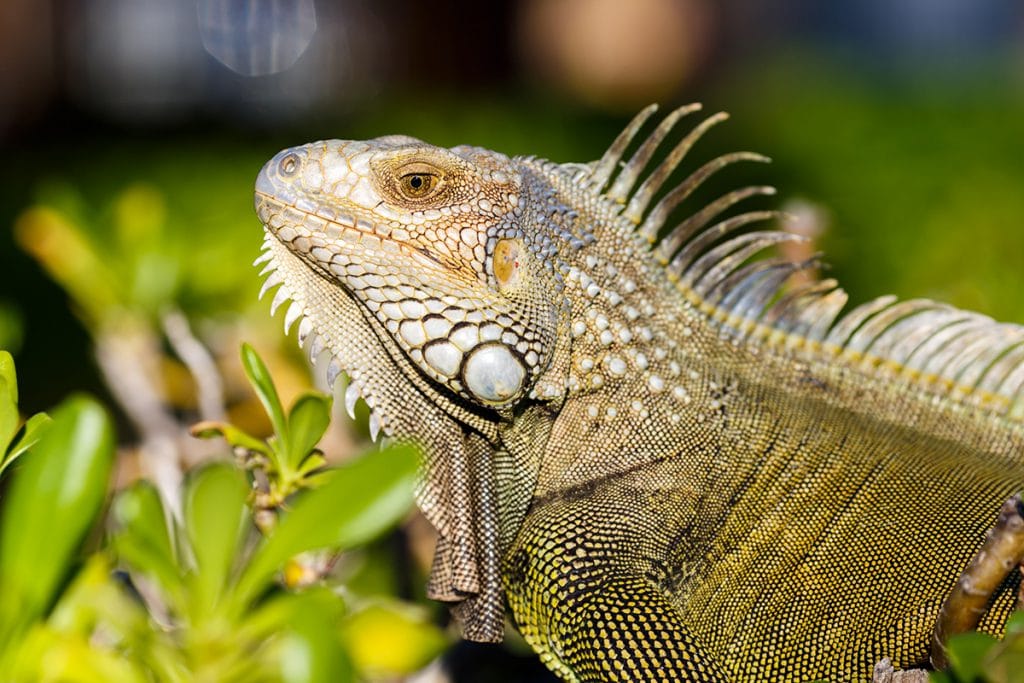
673	465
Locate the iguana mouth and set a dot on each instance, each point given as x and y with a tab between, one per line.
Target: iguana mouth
335	225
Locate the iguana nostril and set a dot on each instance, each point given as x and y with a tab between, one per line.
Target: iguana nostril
289	165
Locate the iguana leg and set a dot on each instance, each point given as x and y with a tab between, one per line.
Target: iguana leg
965	605
577	588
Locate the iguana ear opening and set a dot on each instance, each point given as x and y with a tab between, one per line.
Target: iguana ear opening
507	264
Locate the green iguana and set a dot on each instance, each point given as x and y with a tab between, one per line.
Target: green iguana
669	464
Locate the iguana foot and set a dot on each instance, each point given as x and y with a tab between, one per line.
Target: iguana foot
965	605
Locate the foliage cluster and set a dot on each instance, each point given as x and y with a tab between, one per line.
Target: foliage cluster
141	592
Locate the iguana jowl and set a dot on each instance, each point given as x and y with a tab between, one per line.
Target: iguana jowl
668	464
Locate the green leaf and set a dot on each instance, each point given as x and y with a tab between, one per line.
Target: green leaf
314	462
389	639
279	609
1004	665
359	501
49	655
967	652
12	326
307	423
52	503
230	433
8	401
304	641
95	595
26	438
263	384
214	511
1015	624
142	538
310	650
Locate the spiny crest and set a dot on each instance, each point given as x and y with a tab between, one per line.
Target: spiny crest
716	264
308	339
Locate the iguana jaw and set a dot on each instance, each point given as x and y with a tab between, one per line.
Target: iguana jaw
405	405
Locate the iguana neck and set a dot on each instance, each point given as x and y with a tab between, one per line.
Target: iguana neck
637	376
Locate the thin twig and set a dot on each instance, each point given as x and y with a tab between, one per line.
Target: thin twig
127	355
200	363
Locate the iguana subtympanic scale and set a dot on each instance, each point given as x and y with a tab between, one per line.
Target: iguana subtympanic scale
667	462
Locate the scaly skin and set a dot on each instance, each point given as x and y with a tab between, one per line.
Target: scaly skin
665	470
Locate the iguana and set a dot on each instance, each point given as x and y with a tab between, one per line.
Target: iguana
667	462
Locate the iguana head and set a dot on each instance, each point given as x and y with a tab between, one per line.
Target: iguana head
432	245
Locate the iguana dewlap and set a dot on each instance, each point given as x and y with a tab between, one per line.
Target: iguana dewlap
666	462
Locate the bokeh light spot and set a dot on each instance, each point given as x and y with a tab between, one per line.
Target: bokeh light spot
257	38
613	54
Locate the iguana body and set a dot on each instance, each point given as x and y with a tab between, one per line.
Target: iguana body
668	470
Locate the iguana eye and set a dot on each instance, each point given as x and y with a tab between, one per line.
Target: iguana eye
418	185
415	182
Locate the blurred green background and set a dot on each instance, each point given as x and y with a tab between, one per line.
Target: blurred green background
132	131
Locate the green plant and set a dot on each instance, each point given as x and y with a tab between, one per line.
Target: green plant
288	461
229	619
15	439
213	583
207	596
52	503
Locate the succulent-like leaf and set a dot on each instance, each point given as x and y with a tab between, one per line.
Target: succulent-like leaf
52	502
387	639
967	654
263	384
8	401
230	433
214	511
312	463
307	422
309	649
1015	625
25	439
142	539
